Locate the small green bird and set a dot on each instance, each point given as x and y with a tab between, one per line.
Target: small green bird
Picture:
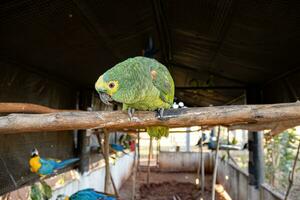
139	83
40	191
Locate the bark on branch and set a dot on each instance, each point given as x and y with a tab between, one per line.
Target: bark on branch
26	108
237	115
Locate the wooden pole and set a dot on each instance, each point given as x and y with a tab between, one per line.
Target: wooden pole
228	142
202	168
134	175
216	166
157	149
27	108
114	185
139	155
248	115
157	152
292	174
199	164
111	178
106	157
149	158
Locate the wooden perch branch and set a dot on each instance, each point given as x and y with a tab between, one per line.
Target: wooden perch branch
228	116
26	108
275	127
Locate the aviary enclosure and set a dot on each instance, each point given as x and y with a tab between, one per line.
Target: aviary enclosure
233	120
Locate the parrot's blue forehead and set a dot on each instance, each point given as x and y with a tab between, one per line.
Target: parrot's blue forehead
112	74
105	77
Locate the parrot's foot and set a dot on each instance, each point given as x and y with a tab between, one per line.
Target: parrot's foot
160	112
130	113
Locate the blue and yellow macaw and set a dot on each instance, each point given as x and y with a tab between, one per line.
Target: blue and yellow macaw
118	148
88	194
44	166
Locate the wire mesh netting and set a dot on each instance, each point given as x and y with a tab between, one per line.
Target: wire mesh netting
15	153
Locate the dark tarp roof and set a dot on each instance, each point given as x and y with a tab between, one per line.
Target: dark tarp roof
203	42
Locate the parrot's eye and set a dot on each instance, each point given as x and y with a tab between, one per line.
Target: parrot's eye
111	85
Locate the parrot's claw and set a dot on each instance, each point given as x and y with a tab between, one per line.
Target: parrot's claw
130	113
160	112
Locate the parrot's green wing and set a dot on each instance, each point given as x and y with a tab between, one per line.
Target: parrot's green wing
163	81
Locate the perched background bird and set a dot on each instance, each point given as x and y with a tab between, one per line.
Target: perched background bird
117	148
87	194
139	83
44	166
40	191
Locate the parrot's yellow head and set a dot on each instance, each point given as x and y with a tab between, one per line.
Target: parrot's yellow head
106	89
34	161
109	87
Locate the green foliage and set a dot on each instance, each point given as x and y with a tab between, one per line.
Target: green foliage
280	152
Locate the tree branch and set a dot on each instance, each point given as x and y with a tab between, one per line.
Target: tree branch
27	108
292	173
236	115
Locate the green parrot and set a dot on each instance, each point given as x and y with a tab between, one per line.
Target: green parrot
139	83
40	191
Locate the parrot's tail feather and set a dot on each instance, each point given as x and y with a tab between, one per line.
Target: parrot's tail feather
65	163
158	131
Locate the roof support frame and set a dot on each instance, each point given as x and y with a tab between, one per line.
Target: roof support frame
94	27
163	31
210	72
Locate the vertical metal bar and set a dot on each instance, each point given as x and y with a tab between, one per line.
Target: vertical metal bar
255	147
256	161
84	150
83	136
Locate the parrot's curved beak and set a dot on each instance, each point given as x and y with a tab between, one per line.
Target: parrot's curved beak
105	98
100	86
34	152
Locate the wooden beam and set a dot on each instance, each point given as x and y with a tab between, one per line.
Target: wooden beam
162	30
211	88
118	120
90	19
281	75
27	108
204	69
72	84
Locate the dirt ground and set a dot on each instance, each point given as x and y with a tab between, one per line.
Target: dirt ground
166	186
